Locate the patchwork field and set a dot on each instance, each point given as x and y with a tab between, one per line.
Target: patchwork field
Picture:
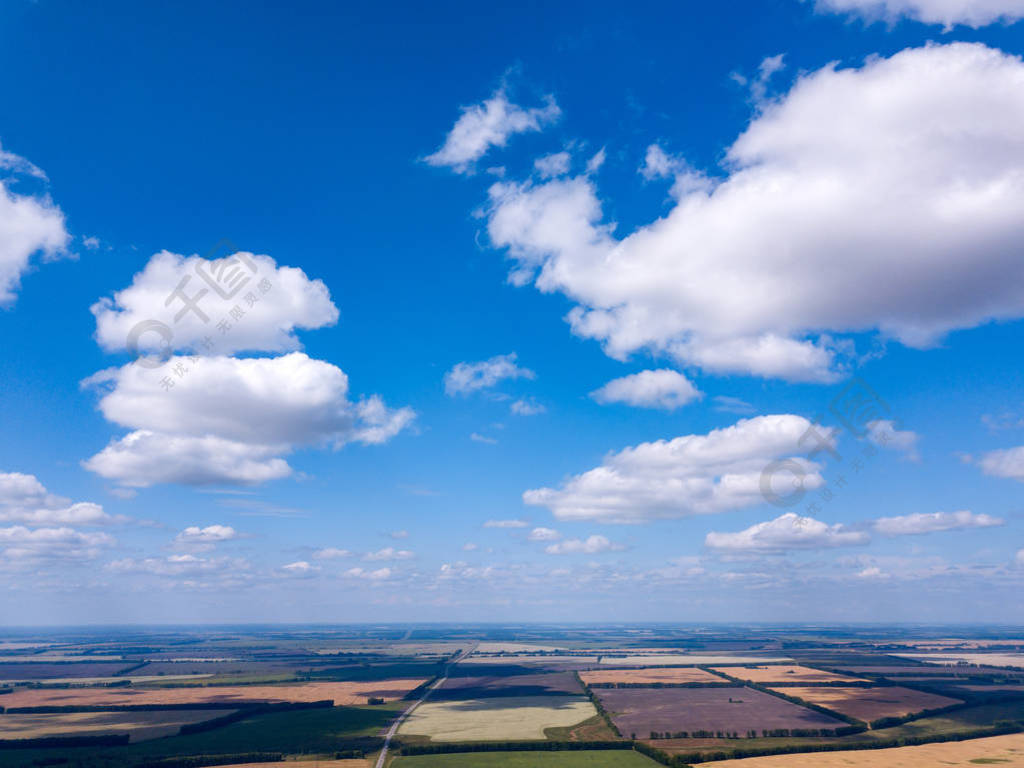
140	725
545	684
642	710
678	659
1006	751
981	659
872	703
496	719
606	758
668	675
45	671
340	693
783	674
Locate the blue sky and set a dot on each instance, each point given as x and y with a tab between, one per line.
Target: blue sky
483	217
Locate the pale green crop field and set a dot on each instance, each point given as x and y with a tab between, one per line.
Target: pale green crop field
497	719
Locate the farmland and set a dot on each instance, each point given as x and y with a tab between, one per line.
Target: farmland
785	673
869	704
641	676
496	719
516	688
715	710
1005	751
139	725
617	758
340	693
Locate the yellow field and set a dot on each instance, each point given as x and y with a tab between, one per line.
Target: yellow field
782	674
661	659
497	719
648	676
1004	751
139	725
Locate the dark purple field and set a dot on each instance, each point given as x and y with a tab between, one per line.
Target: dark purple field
31	670
642	710
486	687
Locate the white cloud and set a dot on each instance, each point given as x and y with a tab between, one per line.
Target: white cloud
379	574
470	546
727	404
23	499
747	274
1008	462
487	125
465	378
229	419
948	13
180	565
872	572
402	534
1019	560
143	458
592	545
331	553
389	553
290	302
786	532
506	524
478	438
30	225
300	569
25	546
884	434
690	475
552	165
665	389
928	522
198	538
526	407
544	534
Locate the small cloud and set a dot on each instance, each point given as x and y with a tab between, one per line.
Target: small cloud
403	534
300	569
592	545
594	164
206	538
930	522
727	404
526	407
884	434
389	553
665	389
786	532
331	553
544	534
550	166
872	572
378	575
506	524
1007	462
487	125
92	243
469	546
465	378
478	438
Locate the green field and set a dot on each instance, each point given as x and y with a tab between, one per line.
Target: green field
607	758
309	731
